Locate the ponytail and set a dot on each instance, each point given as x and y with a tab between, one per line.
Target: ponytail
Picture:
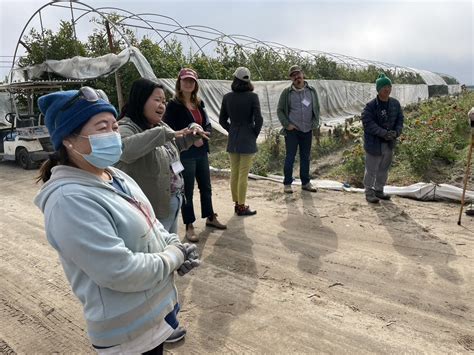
59	157
123	112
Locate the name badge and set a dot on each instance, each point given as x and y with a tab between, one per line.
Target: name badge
177	167
306	102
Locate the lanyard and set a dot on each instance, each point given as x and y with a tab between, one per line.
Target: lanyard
140	206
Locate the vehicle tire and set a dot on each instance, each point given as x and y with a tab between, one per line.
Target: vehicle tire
24	159
10	117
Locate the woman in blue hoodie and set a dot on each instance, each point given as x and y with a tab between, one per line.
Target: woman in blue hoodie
118	258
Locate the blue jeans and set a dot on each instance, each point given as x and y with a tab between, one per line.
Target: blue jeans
196	169
171	222
293	140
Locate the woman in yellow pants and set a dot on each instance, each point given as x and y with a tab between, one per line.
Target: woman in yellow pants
240	116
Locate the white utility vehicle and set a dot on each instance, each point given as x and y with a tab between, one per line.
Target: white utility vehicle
24	137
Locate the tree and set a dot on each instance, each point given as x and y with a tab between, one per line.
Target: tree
165	61
51	46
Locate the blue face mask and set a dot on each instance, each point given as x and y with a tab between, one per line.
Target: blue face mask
106	149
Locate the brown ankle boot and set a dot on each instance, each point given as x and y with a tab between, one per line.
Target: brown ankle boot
190	234
213	222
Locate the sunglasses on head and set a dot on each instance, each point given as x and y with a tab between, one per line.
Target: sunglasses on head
86	93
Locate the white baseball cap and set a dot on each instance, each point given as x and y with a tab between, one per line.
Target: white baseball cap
242	73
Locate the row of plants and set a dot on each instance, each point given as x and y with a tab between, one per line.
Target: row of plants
433	145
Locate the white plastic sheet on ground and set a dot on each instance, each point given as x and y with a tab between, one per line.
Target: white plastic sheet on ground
430	192
420	191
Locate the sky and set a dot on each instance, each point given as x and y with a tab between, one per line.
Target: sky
434	35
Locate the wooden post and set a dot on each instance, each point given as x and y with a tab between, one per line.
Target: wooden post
466	175
118	82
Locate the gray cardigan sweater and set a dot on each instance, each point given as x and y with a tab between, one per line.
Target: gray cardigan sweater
145	159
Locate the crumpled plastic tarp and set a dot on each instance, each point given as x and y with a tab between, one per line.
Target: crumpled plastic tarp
420	191
86	68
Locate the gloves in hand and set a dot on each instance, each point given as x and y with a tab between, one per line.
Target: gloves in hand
182	248
187	249
191	258
390	135
190	248
188	265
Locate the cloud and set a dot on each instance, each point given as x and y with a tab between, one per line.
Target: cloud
437	35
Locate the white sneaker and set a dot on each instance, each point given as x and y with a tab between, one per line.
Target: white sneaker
287	189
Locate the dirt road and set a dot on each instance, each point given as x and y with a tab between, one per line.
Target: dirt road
309	273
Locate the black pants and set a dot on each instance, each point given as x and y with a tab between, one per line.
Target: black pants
196	169
156	351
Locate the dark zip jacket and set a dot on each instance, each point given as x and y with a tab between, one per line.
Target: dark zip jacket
376	125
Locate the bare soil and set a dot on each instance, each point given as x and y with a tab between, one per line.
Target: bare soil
310	273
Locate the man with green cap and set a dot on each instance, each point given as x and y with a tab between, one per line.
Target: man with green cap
382	118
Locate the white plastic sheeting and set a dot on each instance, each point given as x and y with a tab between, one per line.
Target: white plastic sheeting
338	99
86	68
430	192
420	191
454	89
343	99
430	78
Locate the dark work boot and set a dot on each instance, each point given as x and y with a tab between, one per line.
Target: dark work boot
382	196
370	197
